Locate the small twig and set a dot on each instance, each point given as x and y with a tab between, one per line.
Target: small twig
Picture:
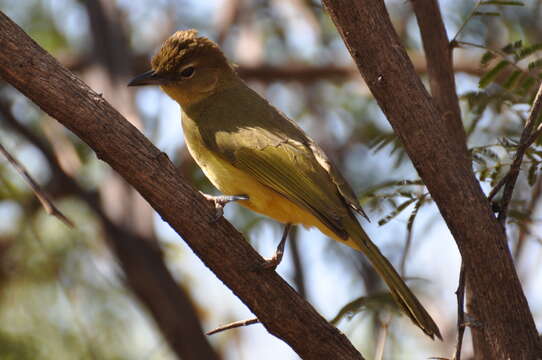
460	292
408	243
410	226
47	204
234	325
524	231
526	139
499	186
299	272
467	19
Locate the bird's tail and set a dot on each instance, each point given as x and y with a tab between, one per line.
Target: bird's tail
400	291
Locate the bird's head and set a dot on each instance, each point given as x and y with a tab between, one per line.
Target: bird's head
188	68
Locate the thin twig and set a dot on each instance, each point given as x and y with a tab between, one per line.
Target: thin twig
460	292
467	19
410	226
44	199
498	186
299	272
234	325
524	232
532	138
525	141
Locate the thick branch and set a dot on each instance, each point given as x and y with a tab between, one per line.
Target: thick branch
301	73
142	263
503	312
58	92
438	53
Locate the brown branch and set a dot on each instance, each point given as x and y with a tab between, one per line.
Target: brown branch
229	15
460	293
301	73
440	69
62	95
234	325
525	141
299	272
504	313
44	199
141	261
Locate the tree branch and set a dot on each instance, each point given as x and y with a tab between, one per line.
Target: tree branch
504	313
525	141
142	263
438	53
62	95
301	73
44	199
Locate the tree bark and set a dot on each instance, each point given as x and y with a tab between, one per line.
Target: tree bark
503	311
440	70
141	260
62	95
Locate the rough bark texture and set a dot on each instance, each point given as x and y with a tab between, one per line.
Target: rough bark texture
503	311
141	260
440	70
62	95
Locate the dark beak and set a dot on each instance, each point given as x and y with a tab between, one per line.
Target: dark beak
147	78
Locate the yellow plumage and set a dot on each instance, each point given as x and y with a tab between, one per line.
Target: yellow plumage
247	147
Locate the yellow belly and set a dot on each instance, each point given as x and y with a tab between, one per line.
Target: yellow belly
262	199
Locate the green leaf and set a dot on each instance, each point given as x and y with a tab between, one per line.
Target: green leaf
495	174
484	174
492	74
526	51
396	212
506	3
414	213
486	13
535	64
487	57
510	83
373	302
526	85
512	47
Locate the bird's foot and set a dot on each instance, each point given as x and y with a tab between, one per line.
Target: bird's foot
221	201
274	261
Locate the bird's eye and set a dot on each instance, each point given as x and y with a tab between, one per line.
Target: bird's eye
188	72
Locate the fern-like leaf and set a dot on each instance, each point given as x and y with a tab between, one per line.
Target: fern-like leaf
493	73
499	2
399	209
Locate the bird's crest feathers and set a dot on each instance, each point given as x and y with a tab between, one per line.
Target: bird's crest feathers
182	48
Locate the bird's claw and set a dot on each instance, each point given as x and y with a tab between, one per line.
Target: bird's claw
221	201
274	261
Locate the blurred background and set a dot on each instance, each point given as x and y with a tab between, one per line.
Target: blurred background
62	292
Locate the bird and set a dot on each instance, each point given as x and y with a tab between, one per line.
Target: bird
262	159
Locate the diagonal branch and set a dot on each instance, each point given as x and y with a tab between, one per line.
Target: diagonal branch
367	30
528	136
62	95
141	260
44	199
440	70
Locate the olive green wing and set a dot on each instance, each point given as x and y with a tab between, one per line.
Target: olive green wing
288	167
342	185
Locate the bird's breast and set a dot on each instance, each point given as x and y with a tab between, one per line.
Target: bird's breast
232	181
